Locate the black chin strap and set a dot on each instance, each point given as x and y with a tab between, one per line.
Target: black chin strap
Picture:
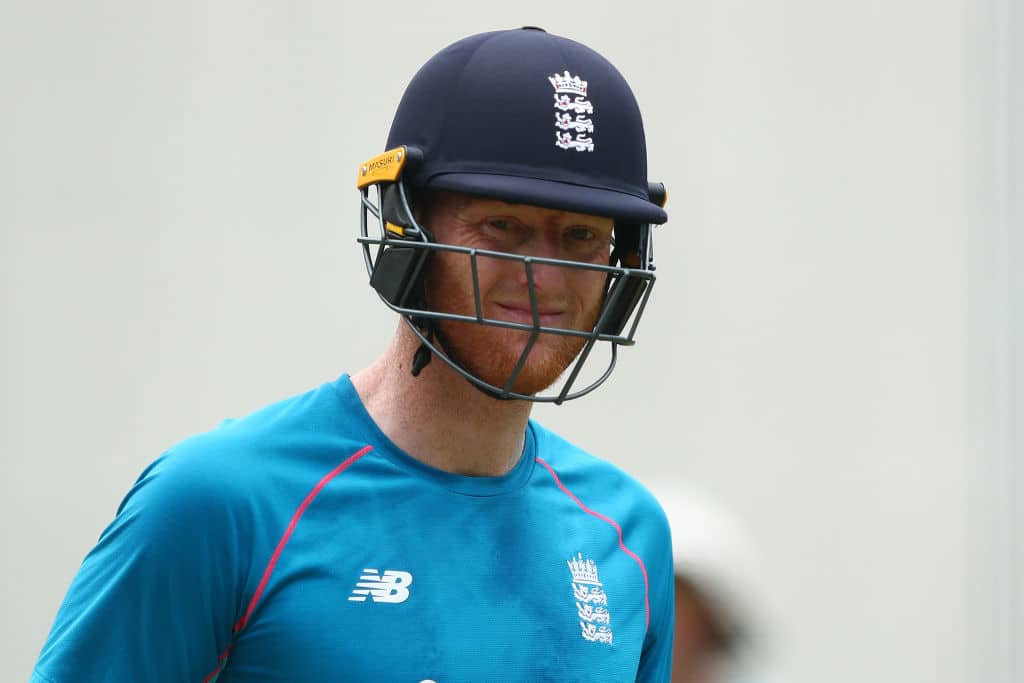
421	358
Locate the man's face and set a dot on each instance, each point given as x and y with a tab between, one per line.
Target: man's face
566	297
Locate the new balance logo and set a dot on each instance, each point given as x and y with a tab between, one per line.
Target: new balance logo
393	586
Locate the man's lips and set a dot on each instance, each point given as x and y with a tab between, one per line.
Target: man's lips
522	313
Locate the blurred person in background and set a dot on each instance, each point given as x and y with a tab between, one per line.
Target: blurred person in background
720	628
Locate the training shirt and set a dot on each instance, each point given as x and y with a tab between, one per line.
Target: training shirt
300	544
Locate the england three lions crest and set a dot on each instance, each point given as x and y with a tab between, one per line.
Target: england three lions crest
591	600
573	111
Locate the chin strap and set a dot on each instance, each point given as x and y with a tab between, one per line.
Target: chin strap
423	355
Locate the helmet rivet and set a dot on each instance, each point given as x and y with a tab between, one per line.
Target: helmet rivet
399	156
364	170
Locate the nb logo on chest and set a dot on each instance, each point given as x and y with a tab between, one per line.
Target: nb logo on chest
392	586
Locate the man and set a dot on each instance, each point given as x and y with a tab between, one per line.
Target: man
410	523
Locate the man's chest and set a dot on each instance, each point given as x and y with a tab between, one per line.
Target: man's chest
410	593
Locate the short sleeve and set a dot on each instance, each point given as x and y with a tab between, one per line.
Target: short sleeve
156	598
656	656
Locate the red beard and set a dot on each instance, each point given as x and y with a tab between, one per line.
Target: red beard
491	353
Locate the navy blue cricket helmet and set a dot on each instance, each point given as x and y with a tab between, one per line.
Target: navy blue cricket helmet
527	117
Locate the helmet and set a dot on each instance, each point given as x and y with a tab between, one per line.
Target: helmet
527	117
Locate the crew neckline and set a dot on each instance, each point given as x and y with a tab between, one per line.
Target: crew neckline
460	484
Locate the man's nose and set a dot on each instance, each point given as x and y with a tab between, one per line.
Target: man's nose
545	275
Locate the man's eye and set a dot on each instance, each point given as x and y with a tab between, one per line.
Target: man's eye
580	234
505	233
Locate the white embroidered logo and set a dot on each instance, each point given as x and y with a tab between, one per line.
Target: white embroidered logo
393	586
591	601
573	109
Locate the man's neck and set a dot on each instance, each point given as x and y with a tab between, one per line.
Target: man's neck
438	417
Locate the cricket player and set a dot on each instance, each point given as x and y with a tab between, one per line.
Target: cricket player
409	522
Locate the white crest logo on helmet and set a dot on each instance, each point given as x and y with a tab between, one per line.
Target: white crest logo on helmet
573	109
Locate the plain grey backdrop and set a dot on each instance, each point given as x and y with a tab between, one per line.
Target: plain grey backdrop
832	348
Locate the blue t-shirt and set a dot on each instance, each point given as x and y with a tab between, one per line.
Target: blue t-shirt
300	544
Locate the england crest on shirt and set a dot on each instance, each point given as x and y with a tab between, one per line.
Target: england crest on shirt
591	600
573	113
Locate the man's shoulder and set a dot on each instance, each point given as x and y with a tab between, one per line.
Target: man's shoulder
588	475
296	422
270	443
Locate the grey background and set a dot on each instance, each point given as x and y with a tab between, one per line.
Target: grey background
832	349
